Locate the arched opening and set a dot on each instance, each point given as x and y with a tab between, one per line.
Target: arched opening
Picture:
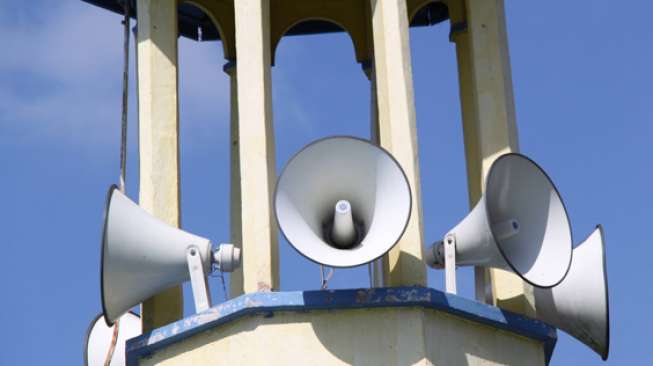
427	12
204	143
441	147
319	90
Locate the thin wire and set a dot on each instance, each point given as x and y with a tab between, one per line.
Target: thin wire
224	287
123	150
125	97
325	279
114	341
217	273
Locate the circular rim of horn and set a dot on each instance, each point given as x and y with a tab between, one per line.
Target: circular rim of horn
606	352
112	189
89	329
403	173
562	202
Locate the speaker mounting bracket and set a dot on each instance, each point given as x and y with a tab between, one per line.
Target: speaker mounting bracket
450	263
198	281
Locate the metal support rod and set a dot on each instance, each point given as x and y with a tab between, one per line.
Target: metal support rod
450	263
198	280
377	273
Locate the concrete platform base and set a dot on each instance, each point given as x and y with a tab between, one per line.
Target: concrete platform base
386	326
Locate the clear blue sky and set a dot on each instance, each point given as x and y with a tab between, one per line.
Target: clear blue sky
582	80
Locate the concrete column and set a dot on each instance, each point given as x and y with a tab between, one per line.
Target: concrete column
235	222
397	130
159	135
260	262
489	126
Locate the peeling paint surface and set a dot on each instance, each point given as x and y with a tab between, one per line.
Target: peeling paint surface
266	303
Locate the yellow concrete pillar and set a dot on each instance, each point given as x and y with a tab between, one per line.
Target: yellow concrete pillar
235	222
397	130
489	126
260	261
159	135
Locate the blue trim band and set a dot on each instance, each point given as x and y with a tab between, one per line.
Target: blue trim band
268	302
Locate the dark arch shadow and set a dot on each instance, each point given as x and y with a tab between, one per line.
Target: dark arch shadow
427	12
195	21
311	26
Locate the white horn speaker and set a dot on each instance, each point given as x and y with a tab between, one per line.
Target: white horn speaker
579	304
142	256
520	224
342	201
99	336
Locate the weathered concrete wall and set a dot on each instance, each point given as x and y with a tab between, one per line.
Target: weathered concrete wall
352	337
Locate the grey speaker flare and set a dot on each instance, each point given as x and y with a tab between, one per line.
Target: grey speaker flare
579	304
142	256
342	201
519	224
99	335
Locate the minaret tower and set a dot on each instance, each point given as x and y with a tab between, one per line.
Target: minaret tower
399	322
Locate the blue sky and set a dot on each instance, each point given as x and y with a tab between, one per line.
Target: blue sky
582	81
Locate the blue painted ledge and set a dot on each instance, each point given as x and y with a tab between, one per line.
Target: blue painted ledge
268	302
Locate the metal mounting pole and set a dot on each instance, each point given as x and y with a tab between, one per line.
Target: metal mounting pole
450	263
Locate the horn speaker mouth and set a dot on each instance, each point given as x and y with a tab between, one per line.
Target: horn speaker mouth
518	189
330	171
107	205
